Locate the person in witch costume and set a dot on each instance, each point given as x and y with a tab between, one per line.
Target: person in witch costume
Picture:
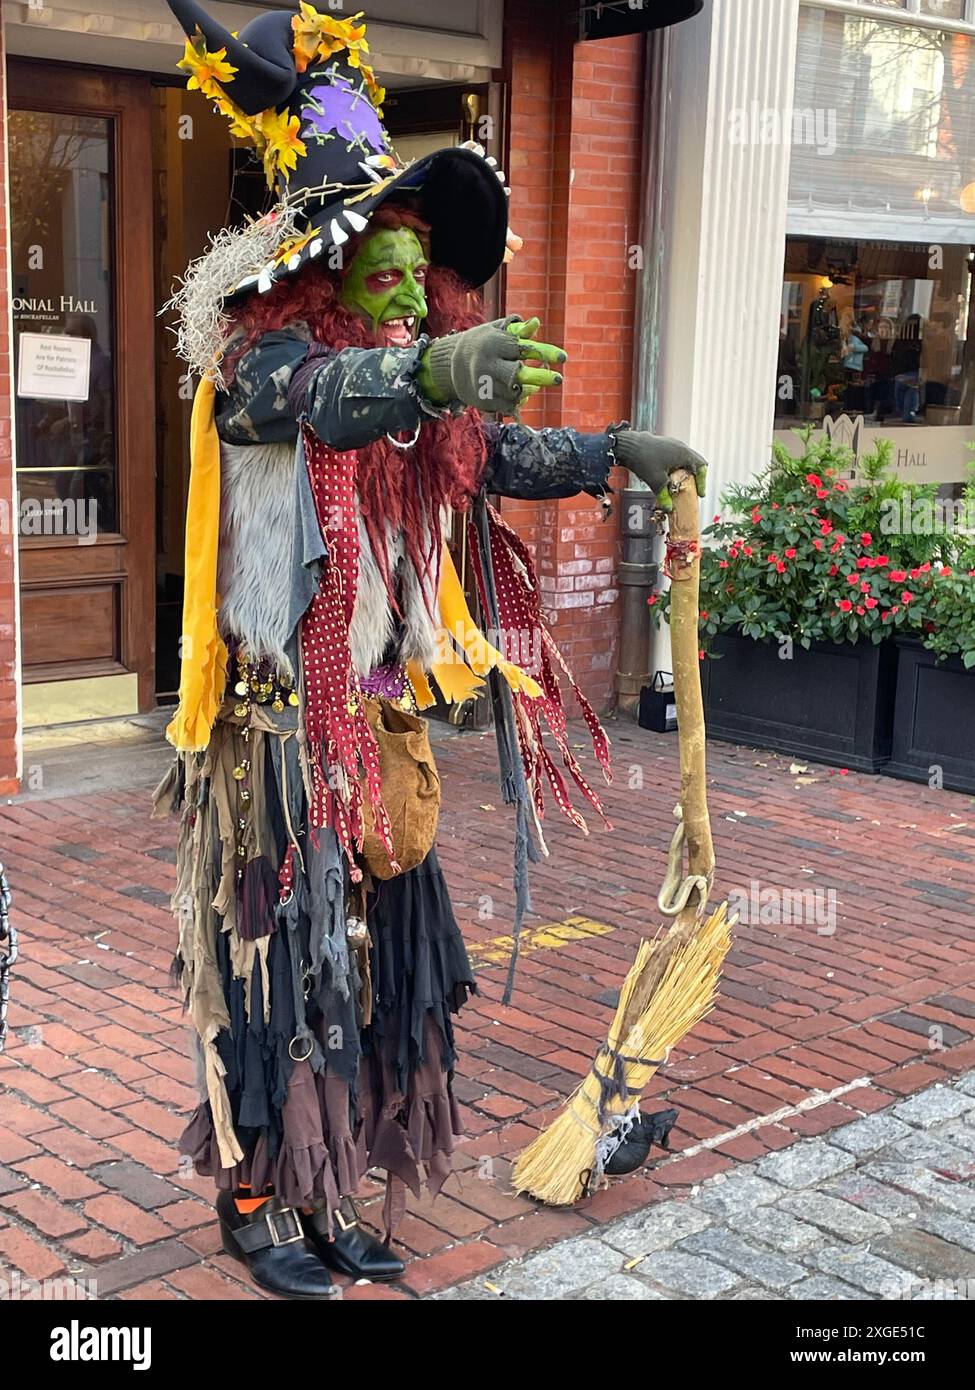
351	400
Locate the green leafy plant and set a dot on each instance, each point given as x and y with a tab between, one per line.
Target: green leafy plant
945	615
802	556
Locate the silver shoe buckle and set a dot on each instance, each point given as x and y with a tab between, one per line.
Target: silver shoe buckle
278	1239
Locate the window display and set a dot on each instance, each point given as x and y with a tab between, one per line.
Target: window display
879	329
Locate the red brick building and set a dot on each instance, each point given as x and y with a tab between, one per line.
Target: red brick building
115	176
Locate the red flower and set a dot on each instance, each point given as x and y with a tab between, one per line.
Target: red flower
841	487
822	492
722	564
780	567
775	506
852	579
756	514
654	598
945	573
826	528
817	545
863	562
865	586
837	545
860	609
871	602
845	604
790	554
747	550
700	654
897	576
866	538
814	480
704	614
907	597
716	520
882	560
834	569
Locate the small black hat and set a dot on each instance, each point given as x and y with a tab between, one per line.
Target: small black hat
299	87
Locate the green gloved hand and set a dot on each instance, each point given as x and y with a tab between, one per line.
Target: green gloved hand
653	457
486	366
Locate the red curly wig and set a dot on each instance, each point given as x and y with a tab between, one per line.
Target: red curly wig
397	488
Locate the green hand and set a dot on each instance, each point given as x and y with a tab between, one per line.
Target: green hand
532	379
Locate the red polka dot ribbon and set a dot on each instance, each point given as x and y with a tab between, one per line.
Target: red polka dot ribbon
337	731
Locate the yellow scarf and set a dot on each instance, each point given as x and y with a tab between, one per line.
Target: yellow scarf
203	669
203	673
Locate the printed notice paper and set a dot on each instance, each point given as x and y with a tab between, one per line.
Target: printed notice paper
52	367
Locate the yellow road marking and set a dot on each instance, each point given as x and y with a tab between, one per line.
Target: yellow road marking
546	938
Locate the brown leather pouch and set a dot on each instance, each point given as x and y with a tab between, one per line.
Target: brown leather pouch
411	790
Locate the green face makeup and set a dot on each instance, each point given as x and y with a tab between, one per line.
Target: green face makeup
384	284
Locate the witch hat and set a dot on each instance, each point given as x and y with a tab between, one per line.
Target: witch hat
298	86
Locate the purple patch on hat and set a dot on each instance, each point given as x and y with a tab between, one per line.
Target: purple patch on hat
343	112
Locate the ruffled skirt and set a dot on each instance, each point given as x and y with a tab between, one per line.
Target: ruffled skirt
303	1090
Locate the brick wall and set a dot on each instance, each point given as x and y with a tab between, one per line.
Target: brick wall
574	129
9	757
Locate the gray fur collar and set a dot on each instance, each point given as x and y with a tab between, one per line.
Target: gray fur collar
257	527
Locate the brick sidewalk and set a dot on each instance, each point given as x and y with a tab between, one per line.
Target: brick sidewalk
813	1029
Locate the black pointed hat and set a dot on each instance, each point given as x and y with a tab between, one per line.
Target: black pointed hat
300	88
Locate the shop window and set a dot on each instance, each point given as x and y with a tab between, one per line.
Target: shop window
884	139
63	301
880	329
944	9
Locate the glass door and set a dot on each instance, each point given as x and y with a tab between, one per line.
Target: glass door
82	308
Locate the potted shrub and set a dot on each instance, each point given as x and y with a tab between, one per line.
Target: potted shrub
803	592
934	716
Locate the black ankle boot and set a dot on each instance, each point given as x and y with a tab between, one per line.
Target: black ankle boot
273	1245
353	1251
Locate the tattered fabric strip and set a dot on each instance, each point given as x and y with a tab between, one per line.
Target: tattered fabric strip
519	611
336	727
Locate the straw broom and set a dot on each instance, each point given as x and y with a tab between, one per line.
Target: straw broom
673	982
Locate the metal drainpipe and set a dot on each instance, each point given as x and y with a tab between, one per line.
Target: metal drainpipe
638	572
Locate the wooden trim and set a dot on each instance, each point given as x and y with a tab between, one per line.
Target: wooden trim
125	100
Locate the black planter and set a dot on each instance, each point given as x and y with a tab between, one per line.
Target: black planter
934	719
833	703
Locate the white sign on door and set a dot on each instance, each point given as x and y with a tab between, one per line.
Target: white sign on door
53	367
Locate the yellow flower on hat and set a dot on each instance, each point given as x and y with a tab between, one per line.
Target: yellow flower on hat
280	130
208	71
319	36
242	126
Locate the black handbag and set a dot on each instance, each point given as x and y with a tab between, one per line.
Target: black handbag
658	707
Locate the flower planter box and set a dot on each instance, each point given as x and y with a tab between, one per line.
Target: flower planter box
934	719
833	703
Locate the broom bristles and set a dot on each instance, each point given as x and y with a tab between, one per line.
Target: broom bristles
670	987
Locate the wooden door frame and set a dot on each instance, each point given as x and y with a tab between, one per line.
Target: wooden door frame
124	98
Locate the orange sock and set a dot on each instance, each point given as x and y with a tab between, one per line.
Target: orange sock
246	1205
